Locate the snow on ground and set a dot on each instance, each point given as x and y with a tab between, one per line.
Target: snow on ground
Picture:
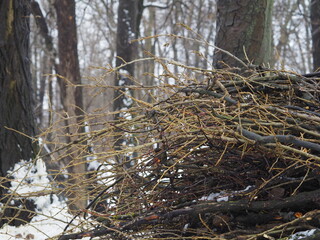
49	222
52	215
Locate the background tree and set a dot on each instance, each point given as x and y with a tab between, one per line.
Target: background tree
43	55
315	29
127	30
16	118
243	29
71	96
129	17
292	35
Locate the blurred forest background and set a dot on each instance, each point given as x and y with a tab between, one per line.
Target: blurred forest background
97	34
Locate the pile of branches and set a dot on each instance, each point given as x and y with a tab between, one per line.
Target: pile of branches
230	156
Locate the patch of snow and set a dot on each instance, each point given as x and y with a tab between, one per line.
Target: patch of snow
19	147
86	127
93	165
222	196
105	175
52	214
29	177
204	147
211	197
303	234
125	115
127	101
123	72
185	227
48	223
223	199
246	189
121	82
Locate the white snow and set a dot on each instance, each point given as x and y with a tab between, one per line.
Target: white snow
52	215
122	82
124	72
29	177
185	227
93	165
303	234
222	196
223	199
127	101
105	175
50	221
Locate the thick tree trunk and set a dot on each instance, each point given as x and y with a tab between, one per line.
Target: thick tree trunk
315	29
16	112
15	90
243	29
71	98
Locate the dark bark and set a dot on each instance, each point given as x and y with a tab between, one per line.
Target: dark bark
129	15
243	27
315	29
126	51
15	90
16	108
68	52
71	97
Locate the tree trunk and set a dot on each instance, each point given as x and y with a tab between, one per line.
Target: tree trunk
315	29
15	91
243	29
16	111
129	14
148	47
71	99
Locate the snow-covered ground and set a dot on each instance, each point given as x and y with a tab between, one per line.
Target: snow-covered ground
52	215
50	222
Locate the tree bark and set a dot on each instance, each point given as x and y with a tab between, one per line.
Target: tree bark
129	14
315	30
15	90
16	108
126	51
243	29
71	98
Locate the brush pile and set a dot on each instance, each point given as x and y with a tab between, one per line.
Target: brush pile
230	156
